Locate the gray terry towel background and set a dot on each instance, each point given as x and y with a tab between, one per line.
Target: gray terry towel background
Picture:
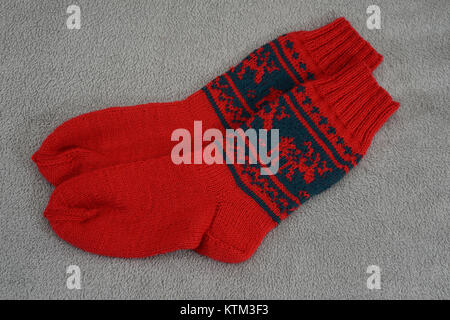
391	211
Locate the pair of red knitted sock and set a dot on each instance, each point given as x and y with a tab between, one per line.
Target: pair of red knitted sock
118	192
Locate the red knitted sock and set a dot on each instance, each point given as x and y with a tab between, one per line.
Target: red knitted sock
125	134
132	210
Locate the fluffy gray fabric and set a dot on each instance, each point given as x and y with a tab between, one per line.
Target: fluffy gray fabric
391	211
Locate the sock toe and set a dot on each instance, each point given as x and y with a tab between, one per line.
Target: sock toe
59	167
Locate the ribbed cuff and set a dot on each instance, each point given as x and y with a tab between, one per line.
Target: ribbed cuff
358	103
335	45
